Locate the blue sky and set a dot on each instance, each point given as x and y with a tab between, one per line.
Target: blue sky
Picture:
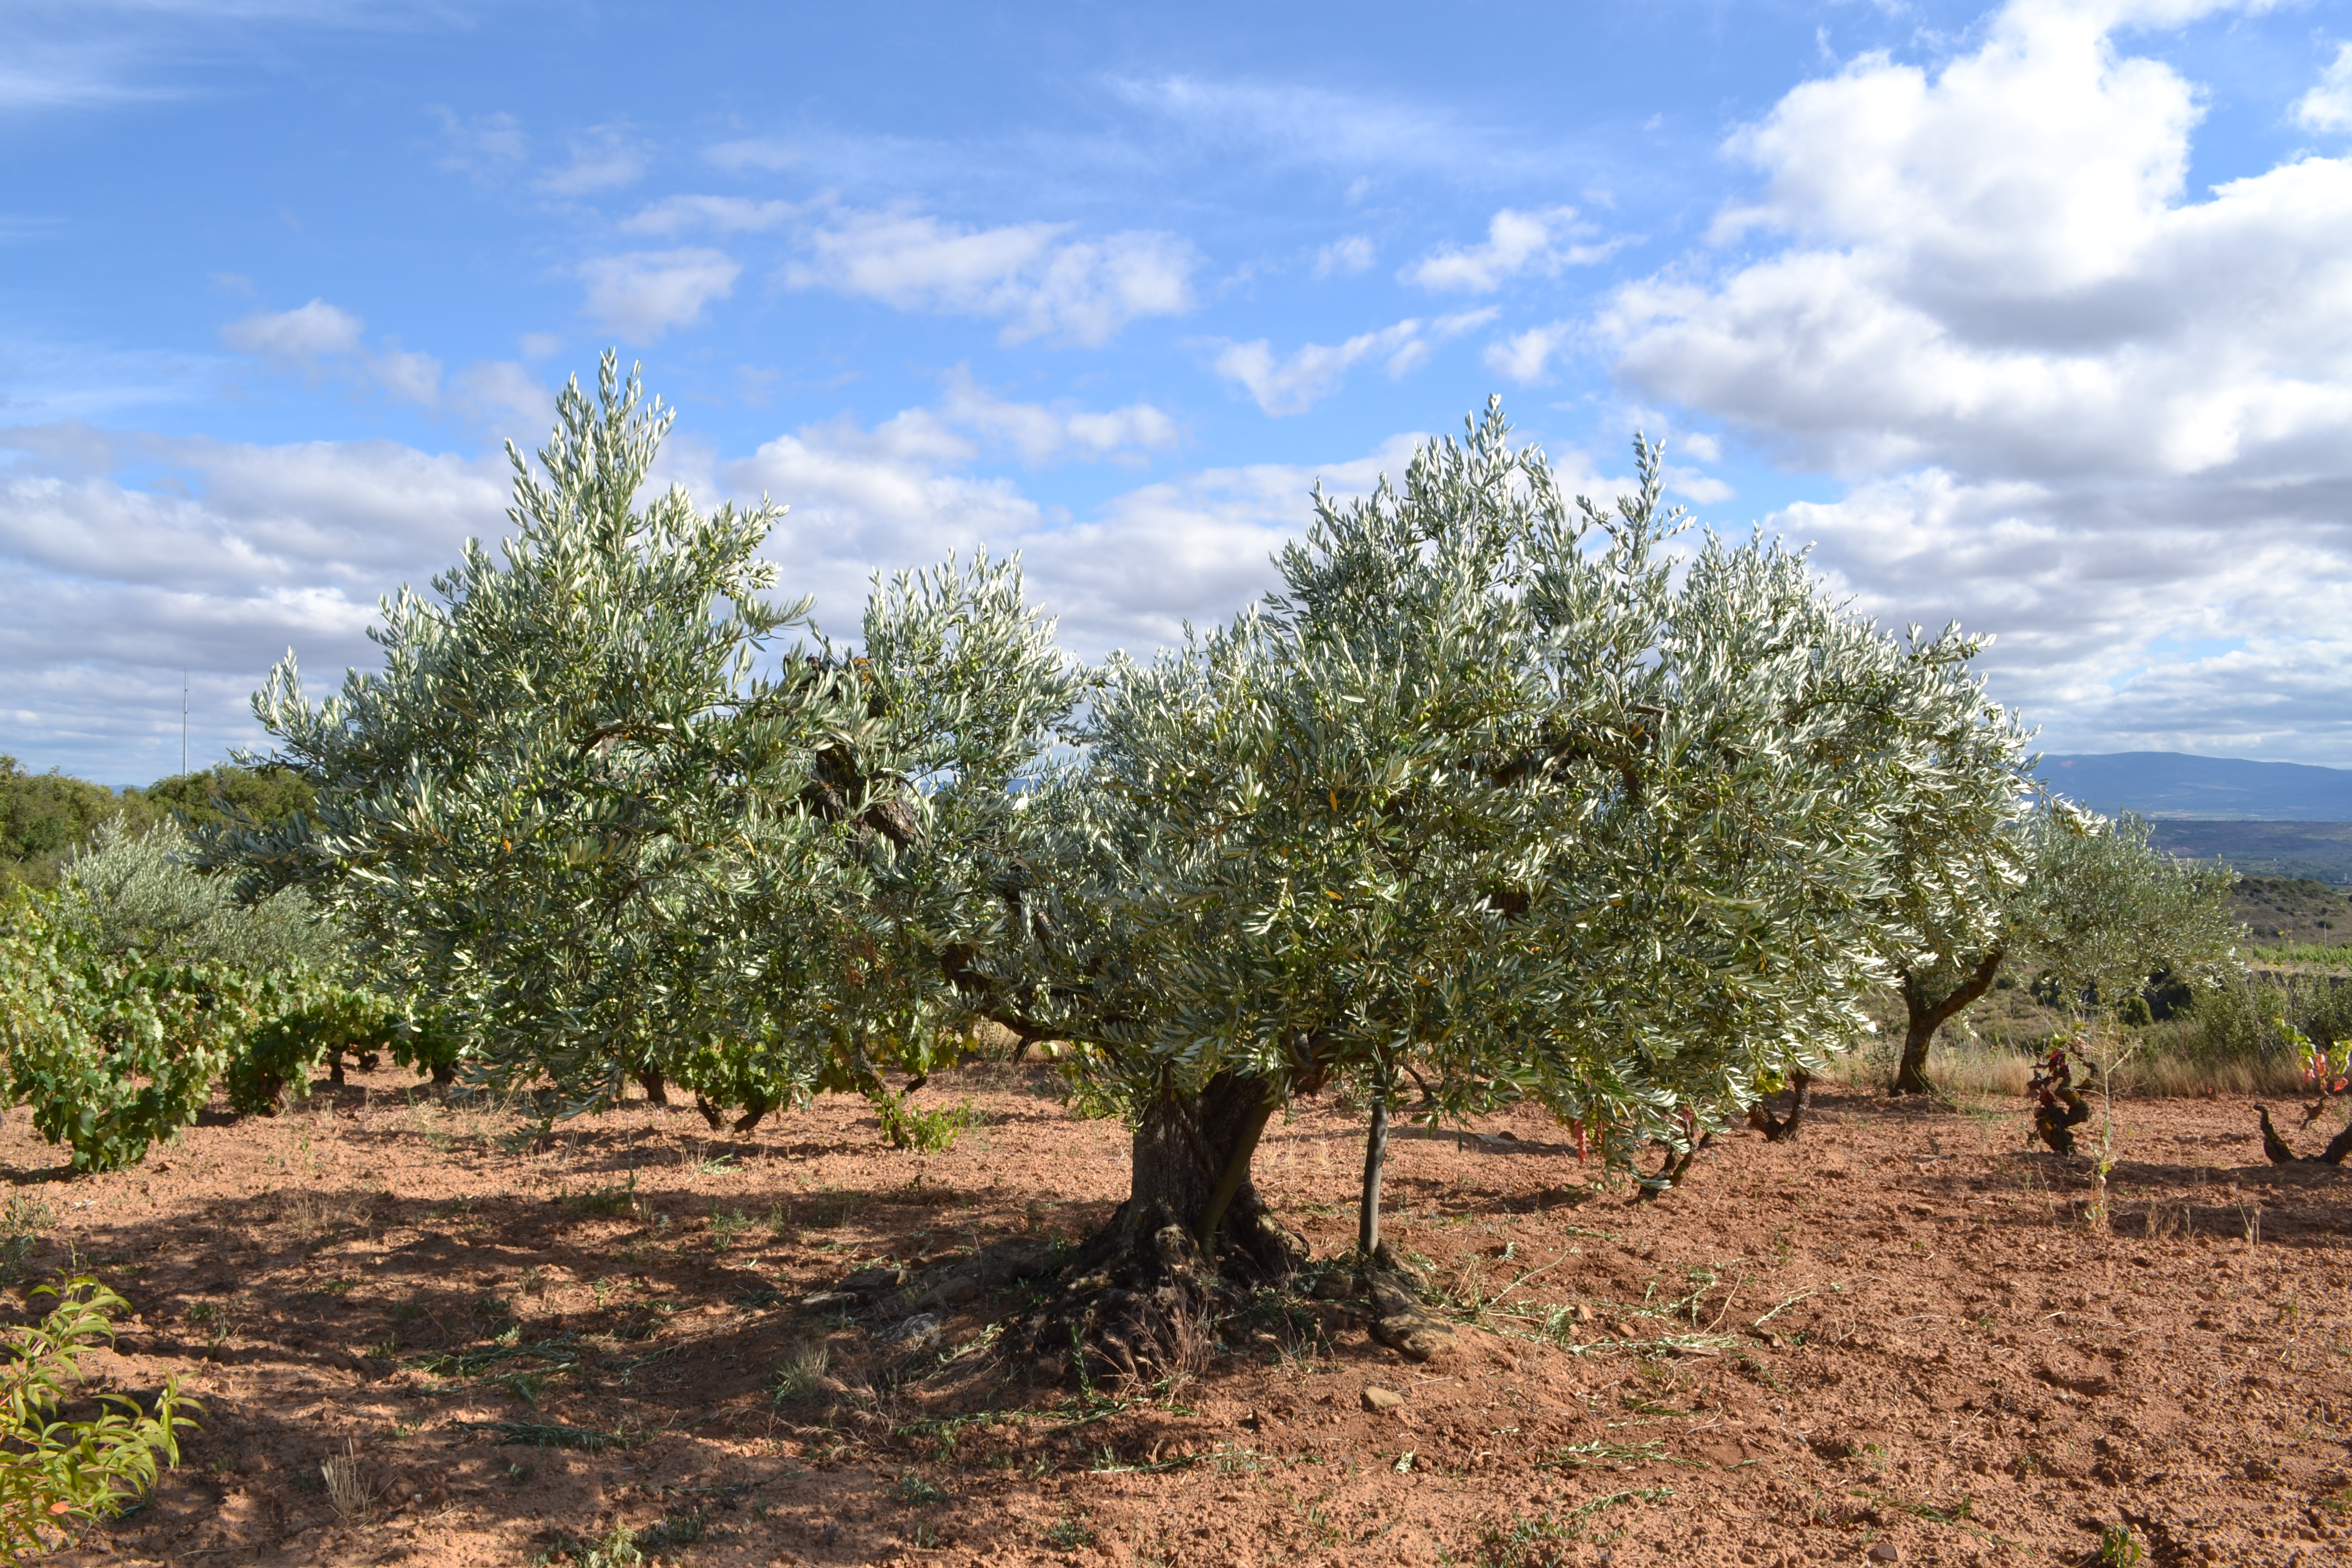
2038	317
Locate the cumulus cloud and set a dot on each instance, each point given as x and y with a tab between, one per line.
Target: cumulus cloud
1041	435
645	293
2079	405
1516	242
305	332
217	560
312	335
1524	356
1295	382
509	398
2329	106
1039	282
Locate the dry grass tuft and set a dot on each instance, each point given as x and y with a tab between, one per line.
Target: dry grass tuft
348	1487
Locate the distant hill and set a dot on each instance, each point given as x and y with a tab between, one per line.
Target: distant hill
2319	851
2170	784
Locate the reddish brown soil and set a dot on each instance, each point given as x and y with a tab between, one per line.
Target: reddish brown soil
1950	1362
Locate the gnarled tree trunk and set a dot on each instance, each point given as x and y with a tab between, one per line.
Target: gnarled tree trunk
1191	1168
1928	1014
1139	1291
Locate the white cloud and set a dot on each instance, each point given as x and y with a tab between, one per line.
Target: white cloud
216	565
645	293
723	214
483	144
1516	242
309	335
1345	257
2079	405
1195	548
509	398
604	158
1300	123
306	333
1027	274
415	376
1041	435
752	152
1314	371
1524	356
2169	613
2329	106
98	54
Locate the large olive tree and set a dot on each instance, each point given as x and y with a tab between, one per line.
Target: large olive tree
1495	790
596	809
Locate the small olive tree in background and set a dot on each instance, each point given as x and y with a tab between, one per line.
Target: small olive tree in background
2085	902
595	807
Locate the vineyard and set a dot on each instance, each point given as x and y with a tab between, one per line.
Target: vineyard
1898	1332
1476	1059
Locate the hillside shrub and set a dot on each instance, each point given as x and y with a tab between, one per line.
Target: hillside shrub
46	817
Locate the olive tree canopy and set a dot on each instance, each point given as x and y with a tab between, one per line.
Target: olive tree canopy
596	807
1495	790
2085	901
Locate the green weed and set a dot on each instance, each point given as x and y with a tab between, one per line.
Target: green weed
924	1131
798	1375
728	1227
1070	1533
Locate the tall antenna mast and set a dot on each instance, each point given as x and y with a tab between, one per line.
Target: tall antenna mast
184	720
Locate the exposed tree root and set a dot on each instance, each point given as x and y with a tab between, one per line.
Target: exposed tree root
2281	1153
1649	1189
1138	1301
1784	1129
756	1109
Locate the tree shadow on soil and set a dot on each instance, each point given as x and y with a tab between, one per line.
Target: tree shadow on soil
317	1315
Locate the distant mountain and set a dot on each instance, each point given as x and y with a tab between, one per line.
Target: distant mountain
2162	784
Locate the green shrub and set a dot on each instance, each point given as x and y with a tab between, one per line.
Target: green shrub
282	1051
112	1051
55	1473
925	1131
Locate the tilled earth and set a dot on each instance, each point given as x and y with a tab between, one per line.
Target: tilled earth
1898	1340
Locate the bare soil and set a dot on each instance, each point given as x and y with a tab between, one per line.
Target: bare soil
1897	1336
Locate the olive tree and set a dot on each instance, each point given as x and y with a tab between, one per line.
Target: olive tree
597	808
2083	900
1491	790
